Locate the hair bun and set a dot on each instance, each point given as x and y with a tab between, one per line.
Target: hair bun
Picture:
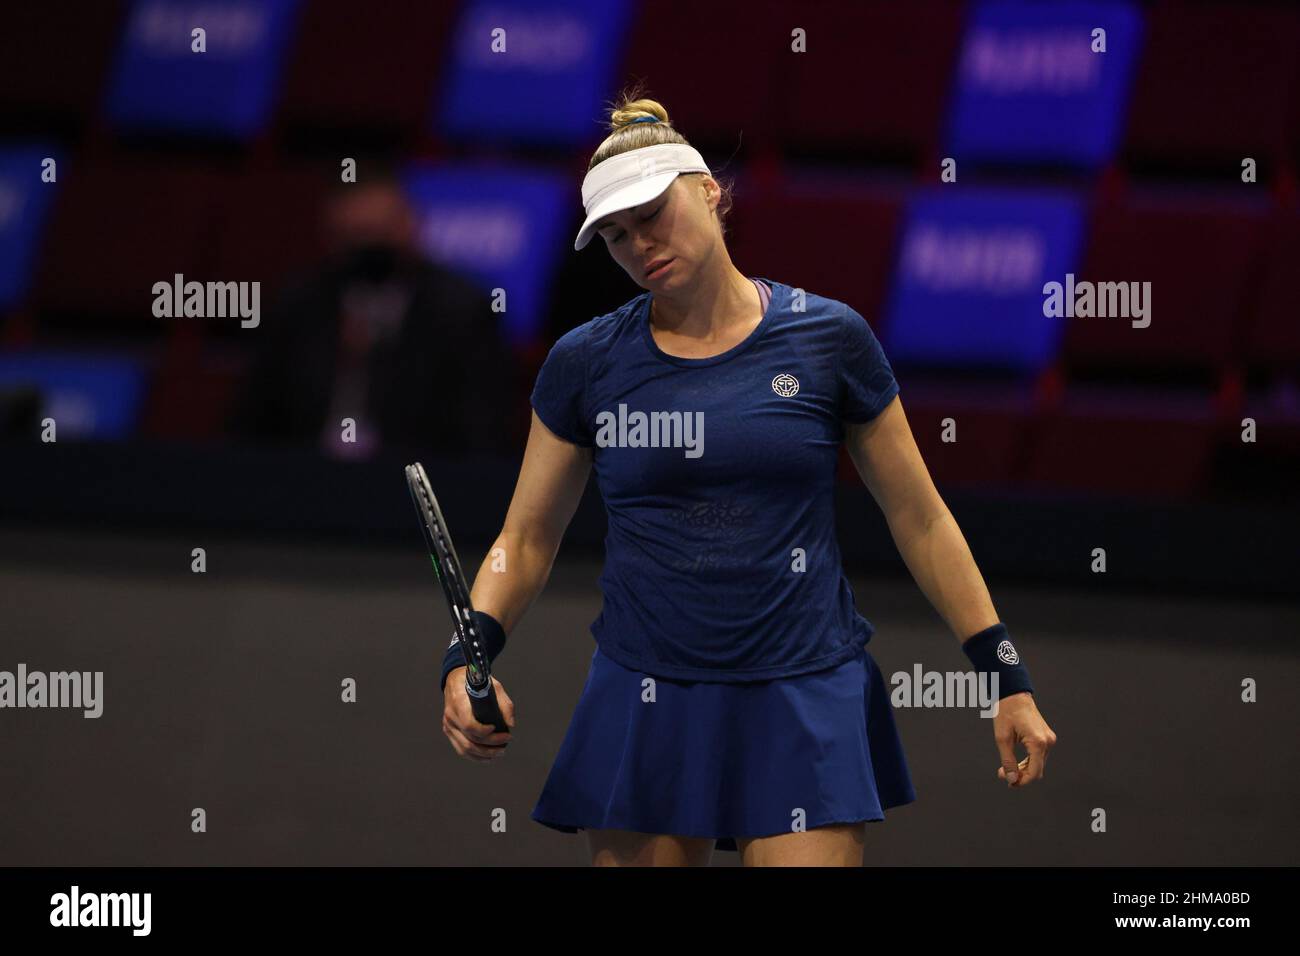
629	111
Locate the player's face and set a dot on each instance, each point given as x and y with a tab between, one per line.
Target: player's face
677	225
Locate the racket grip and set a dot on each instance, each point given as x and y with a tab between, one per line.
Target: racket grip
487	710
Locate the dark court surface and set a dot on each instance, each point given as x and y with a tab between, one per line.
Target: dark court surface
222	691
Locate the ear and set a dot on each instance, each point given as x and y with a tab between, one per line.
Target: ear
712	191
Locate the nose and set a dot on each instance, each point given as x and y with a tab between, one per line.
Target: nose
642	241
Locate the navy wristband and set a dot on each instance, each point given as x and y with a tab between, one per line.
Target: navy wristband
991	651
494	642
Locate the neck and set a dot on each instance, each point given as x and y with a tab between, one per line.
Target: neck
722	298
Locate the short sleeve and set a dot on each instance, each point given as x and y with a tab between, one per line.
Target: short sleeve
866	380
560	391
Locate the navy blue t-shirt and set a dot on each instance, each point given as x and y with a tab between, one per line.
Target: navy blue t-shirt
718	474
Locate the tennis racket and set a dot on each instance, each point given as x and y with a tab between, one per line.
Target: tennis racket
478	672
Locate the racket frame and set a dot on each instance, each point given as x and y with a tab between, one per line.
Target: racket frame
447	566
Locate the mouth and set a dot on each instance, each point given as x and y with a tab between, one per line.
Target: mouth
657	267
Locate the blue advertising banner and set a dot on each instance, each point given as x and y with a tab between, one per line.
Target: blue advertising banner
1043	82
504	226
532	71
88	396
163	81
968	288
25	197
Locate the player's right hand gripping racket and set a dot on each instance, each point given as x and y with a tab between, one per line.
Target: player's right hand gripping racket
478	673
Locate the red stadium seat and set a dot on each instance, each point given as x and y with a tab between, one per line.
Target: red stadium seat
55	61
1273	338
1201	260
990	425
874	79
270	226
1216	81
1126	442
1266	467
117	228
371	68
797	235
191	402
715	80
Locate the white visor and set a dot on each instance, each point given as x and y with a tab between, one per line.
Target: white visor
632	178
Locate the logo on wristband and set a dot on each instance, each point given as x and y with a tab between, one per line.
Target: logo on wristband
1007	654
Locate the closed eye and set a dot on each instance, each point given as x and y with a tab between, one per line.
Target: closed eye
646	219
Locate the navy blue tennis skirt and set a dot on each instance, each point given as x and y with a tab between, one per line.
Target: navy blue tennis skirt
721	760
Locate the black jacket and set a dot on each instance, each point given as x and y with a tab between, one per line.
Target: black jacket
445	382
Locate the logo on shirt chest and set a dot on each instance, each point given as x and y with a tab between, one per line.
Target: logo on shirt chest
785	385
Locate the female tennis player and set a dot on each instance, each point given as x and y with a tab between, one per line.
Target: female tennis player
731	701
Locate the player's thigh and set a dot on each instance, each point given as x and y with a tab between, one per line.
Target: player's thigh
629	848
839	844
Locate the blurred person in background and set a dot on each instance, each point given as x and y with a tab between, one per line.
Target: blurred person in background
377	334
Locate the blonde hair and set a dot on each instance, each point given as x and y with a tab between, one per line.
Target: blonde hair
627	134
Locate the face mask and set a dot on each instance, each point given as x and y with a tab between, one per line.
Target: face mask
371	261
